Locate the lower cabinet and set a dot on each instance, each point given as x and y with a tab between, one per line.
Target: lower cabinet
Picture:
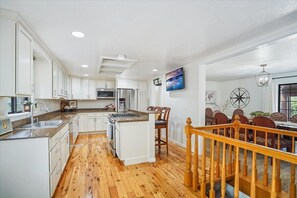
90	122
31	168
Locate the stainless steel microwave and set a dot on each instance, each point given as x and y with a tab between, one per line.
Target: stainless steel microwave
107	94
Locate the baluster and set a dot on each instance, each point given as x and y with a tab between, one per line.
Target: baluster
236	180
293	169
212	193
188	172
223	181
278	179
254	175
245	156
273	184
218	160
265	173
230	159
195	171
203	175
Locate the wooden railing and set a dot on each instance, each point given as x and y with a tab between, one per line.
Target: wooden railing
225	163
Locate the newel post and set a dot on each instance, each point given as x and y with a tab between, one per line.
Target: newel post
236	126
188	175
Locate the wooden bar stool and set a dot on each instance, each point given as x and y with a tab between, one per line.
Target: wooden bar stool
162	123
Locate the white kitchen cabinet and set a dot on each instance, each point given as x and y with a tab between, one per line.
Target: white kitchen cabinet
105	84
7	57
16	60
127	84
88	88
90	122
75	88
55	79
143	101
60	81
83	122
40	169
42	80
24	62
95	123
64	149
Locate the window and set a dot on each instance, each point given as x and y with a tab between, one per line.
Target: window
16	104
287	98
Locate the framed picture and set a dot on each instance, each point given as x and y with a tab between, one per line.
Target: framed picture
5	126
73	104
210	97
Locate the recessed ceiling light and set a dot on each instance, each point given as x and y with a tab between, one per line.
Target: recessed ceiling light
155	70
86	74
78	34
84	65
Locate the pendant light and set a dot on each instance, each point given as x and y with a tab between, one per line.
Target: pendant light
264	78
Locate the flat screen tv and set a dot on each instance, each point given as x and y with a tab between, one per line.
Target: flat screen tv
175	80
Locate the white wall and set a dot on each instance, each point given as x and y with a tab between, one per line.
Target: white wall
188	102
216	87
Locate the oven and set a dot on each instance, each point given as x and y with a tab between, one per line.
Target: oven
111	136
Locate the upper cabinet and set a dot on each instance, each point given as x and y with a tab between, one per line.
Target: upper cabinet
105	84
75	88
127	84
60	82
42	67
88	88
16	59
24	66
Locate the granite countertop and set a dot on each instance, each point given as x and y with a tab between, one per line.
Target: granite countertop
67	117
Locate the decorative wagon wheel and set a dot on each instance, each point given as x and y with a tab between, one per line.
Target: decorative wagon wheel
239	98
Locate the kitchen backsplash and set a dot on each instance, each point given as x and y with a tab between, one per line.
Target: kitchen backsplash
87	104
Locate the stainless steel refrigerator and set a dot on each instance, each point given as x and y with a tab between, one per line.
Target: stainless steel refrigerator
127	99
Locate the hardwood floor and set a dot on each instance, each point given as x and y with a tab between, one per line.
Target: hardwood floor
93	172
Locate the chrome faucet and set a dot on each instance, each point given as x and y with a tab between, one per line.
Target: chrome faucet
32	105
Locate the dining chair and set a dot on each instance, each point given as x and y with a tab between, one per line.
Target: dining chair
238	112
293	119
278	116
243	120
208	116
162	123
271	138
220	118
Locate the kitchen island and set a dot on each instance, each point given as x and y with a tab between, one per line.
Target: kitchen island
134	137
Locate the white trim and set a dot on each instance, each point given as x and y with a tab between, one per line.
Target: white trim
137	160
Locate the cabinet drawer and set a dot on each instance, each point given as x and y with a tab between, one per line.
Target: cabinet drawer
54	140
55	155
54	178
94	114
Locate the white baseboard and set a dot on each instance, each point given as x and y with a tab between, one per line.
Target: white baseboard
137	160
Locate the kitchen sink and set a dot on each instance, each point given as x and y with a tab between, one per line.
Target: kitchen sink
43	124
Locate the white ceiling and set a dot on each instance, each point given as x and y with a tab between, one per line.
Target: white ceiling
159	34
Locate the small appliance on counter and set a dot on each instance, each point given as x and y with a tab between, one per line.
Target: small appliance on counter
68	105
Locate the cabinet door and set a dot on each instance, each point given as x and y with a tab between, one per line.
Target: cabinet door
85	89
143	101
60	81
75	88
101	84
7	57
83	122
91	124
24	58
142	86
110	84
55	80
118	149
64	149
92	89
99	124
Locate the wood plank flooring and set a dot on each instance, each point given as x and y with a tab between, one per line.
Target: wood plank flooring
93	172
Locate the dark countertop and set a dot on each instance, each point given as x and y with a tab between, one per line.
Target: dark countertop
49	132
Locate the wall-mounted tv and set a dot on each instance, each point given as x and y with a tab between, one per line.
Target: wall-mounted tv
175	80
